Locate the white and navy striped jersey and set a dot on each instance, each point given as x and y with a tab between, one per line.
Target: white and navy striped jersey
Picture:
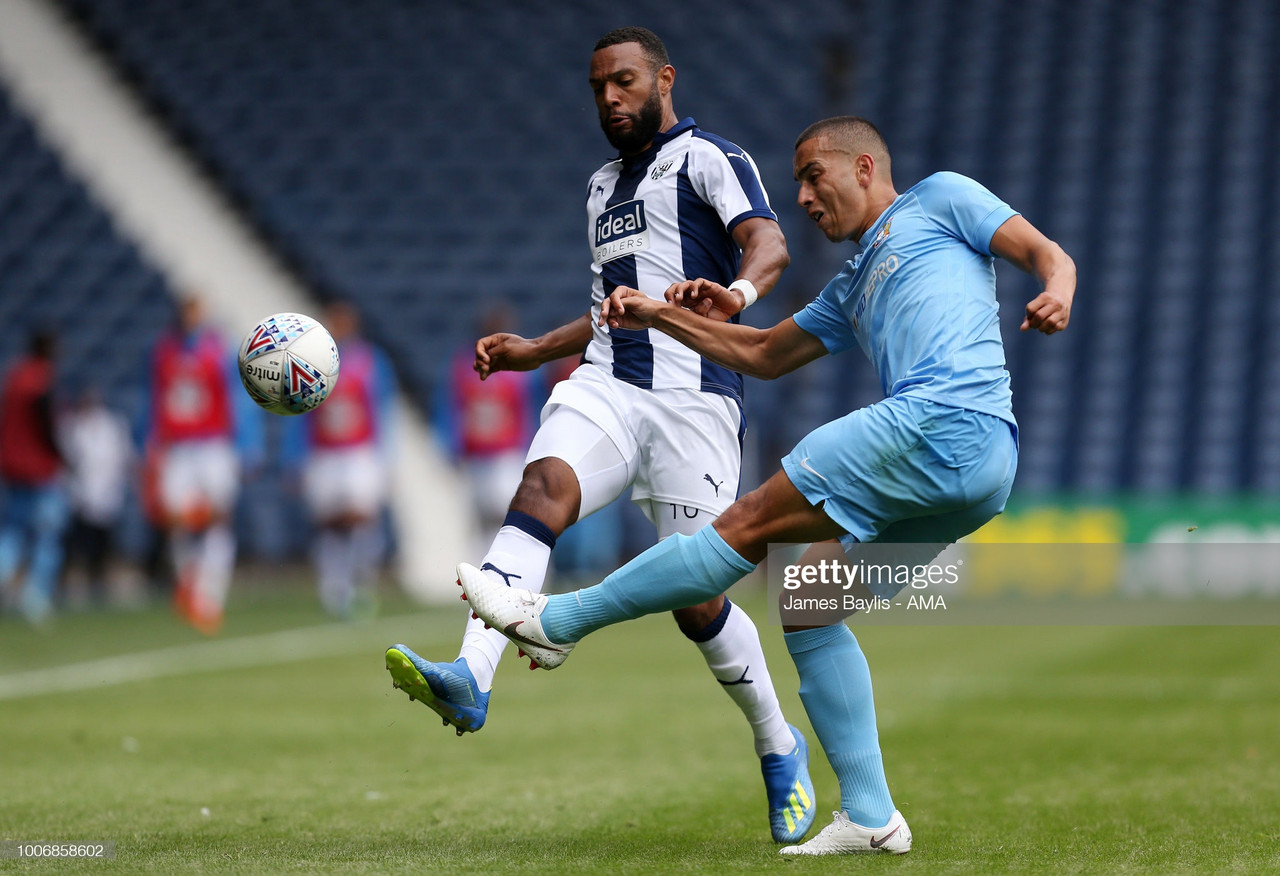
658	218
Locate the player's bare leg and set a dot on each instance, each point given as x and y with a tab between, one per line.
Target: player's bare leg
679	571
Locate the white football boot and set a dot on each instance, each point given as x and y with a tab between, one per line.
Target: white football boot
843	837
514	612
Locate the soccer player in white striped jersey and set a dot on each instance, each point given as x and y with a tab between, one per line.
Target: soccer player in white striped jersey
642	410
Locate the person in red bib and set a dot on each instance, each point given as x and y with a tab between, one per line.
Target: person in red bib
194	426
487	425
34	512
345	477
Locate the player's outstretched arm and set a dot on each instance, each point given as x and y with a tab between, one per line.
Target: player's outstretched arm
508	352
764	258
1020	243
764	353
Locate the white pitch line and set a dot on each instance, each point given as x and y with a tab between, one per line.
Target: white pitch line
285	646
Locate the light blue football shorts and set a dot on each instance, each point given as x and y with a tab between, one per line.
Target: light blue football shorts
907	471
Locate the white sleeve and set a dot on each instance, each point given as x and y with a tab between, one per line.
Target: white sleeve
726	178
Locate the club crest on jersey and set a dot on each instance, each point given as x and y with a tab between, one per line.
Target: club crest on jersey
882	235
661	170
621	231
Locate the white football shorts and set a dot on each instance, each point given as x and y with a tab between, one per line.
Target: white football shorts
199	474
345	480
676	447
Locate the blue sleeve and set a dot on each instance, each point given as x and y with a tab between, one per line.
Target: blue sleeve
965	208
826	320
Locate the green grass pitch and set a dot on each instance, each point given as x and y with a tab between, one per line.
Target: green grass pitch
1009	749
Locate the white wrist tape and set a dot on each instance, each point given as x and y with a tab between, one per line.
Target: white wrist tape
748	290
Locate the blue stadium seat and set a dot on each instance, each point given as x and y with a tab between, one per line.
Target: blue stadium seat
64	266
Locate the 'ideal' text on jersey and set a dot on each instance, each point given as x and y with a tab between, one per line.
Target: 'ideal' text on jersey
620	231
658	218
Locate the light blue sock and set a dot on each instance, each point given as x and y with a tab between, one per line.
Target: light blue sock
677	572
835	687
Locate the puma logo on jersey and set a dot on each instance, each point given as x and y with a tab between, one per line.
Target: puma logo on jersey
708	479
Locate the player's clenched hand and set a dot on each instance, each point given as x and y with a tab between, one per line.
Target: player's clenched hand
628	308
504	352
1049	312
706	298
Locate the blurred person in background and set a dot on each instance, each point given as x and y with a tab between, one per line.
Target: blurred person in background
96	443
345	445
487	424
31	466
201	425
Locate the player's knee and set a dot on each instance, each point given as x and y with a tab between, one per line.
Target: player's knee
742	524
549	491
548	479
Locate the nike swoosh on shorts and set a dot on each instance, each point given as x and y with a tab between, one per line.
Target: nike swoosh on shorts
804	464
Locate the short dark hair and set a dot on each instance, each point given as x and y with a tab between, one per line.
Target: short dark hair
649	43
852	134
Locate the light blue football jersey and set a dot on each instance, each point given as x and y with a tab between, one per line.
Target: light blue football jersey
920	299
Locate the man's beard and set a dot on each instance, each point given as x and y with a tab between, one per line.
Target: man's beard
644	125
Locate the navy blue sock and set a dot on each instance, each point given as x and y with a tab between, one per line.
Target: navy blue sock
532	525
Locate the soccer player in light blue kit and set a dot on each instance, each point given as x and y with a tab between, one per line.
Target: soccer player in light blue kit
927	465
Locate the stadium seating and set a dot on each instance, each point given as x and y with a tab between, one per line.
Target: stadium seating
420	158
63	266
